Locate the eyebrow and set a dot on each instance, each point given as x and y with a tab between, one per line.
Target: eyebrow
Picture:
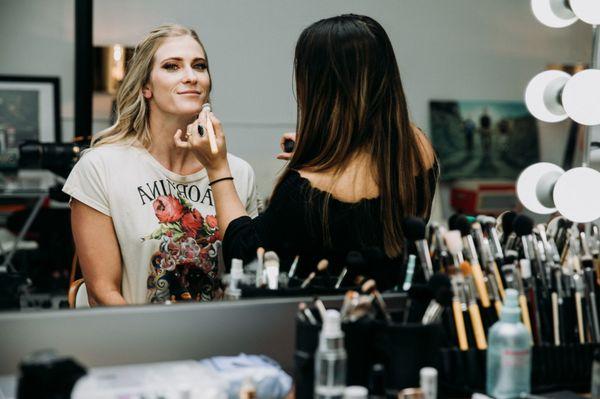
181	59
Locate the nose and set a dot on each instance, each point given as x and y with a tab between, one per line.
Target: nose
190	76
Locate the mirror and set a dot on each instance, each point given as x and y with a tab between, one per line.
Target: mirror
458	51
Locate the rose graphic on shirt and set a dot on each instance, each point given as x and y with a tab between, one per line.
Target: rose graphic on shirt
185	265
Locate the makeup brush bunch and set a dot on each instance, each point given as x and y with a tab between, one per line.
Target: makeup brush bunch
265	273
363	305
555	268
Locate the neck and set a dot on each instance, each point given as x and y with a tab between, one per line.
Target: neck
162	129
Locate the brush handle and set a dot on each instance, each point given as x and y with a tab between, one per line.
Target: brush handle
480	340
498	280
525	315
480	284
212	140
579	312
555	323
498	305
459	322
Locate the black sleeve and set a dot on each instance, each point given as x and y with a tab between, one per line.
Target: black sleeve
282	224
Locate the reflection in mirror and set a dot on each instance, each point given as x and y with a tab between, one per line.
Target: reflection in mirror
242	62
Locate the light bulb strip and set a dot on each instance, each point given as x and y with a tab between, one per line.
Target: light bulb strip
594	64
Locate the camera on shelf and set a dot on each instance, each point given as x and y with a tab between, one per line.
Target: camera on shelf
58	158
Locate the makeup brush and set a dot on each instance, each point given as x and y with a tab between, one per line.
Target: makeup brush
320	307
505	224
212	140
303	309
458	302
260	254
271	265
350	302
293	267
476	322
414	230
321	266
354	260
468	243
369	287
441	289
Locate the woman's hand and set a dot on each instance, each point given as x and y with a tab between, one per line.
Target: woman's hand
286	156
196	139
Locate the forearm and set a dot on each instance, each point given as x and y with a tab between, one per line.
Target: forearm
227	202
107	298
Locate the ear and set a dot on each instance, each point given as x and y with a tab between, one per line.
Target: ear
147	93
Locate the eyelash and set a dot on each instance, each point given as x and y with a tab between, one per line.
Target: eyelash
171	67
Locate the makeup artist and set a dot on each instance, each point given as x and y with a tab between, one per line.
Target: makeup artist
142	210
359	165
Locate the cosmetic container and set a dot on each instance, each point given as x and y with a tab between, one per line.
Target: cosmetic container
330	359
509	353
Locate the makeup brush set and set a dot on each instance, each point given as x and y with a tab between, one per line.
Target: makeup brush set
265	277
455	282
554	267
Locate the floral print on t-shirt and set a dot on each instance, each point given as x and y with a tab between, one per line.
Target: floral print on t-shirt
185	265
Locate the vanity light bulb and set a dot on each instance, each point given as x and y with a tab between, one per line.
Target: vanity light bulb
587	10
553	13
576	195
535	187
581	97
542	96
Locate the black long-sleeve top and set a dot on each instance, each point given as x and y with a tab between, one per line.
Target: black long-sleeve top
292	225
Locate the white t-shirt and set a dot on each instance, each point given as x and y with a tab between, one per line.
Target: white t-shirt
165	222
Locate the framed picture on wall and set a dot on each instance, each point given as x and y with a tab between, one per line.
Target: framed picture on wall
483	139
29	110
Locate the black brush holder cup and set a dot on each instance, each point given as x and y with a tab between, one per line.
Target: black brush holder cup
403	349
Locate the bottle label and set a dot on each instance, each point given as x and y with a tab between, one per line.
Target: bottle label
514	373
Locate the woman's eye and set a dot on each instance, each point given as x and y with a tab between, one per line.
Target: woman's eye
201	66
170	67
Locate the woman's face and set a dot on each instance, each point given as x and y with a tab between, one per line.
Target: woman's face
179	82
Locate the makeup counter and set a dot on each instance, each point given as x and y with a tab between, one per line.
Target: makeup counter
433	331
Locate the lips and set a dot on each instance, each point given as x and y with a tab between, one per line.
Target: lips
189	92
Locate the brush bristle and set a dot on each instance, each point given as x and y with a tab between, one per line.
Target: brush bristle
444	296
322	265
466	269
414	228
355	259
507	222
463	225
452	221
438	281
271	256
453	241
368	286
523	225
260	252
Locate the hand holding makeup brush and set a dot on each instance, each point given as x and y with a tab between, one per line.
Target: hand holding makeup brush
198	138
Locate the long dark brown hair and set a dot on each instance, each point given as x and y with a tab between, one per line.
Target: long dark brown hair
351	101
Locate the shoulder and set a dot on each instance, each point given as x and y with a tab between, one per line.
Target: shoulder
108	153
425	148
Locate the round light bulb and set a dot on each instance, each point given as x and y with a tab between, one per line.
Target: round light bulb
587	10
535	187
581	97
542	96
576	195
553	13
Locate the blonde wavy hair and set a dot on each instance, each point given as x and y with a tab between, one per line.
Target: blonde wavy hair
133	110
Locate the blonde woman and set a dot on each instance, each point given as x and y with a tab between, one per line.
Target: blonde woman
142	210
